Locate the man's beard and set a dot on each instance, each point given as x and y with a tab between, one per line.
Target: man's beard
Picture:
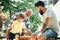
41	12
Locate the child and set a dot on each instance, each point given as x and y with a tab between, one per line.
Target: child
16	27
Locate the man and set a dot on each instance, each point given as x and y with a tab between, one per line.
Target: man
50	27
27	14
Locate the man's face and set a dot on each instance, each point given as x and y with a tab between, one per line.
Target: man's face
28	14
39	9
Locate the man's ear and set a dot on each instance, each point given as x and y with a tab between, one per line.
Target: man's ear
38	8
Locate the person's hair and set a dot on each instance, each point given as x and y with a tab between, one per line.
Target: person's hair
28	12
40	3
21	16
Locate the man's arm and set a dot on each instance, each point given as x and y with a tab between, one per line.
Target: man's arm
45	24
25	28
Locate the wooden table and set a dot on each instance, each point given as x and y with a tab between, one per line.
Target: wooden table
25	37
32	37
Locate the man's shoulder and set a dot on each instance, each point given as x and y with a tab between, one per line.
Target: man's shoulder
50	12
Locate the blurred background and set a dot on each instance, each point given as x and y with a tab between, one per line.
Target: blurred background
10	7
